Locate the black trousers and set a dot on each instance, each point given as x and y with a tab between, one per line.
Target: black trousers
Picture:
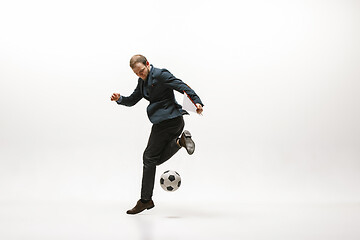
161	147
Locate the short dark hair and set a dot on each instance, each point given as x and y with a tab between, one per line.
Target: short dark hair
138	58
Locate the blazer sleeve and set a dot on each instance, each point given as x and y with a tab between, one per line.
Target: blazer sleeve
131	100
172	82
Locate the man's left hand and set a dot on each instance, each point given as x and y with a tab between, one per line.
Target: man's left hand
199	108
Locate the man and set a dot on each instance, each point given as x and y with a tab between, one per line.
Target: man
157	85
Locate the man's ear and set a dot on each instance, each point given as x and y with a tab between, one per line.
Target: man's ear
147	63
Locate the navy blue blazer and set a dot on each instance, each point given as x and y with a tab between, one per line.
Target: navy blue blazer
158	90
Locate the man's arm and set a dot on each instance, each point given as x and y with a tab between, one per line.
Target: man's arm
171	81
129	101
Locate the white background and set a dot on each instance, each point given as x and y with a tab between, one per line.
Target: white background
279	80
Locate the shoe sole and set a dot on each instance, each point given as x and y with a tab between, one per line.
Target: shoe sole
187	135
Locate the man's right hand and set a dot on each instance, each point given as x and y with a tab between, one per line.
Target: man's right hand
115	97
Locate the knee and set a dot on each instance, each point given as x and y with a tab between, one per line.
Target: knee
148	160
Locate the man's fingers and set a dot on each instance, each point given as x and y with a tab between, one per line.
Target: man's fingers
115	96
199	109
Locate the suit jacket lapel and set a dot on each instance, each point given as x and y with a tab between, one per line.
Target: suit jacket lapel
141	86
150	81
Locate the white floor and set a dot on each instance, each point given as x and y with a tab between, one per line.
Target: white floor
180	221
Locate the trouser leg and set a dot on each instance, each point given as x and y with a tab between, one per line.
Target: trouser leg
161	146
170	150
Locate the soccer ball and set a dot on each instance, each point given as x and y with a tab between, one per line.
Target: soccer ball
170	181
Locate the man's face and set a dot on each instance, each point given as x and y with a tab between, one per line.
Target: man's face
141	70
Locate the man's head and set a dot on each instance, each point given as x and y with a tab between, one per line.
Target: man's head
140	66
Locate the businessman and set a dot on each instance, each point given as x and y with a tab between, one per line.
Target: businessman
166	137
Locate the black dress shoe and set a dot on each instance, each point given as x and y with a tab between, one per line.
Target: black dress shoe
141	207
187	142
